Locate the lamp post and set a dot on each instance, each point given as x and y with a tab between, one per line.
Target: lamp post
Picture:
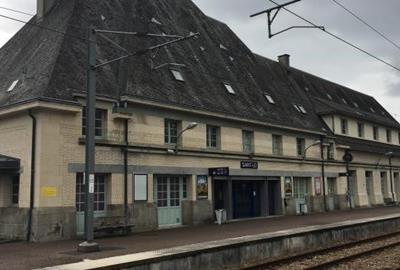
321	143
189	127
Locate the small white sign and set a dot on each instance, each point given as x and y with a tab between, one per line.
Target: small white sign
140	187
91	183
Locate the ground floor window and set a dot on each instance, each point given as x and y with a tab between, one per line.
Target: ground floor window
331	185
15	190
171	190
99	193
301	187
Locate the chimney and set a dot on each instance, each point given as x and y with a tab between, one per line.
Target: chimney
43	7
284	60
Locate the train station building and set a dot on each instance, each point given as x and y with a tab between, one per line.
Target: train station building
197	126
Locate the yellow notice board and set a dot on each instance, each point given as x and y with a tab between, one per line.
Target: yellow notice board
49	192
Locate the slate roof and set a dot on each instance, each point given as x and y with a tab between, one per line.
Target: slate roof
53	66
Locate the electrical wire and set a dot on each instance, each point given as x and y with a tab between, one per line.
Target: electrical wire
367	24
340	38
17	11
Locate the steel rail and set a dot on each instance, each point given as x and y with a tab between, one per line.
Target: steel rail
299	256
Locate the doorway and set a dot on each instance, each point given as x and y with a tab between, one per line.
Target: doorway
169	193
274	197
246	199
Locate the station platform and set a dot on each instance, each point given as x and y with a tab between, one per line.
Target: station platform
22	255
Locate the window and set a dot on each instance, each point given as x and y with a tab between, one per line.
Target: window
302	110
360	130
331	185
171	131
212	136
329	96
344	126
372	109
331	151
277	148
388	135
100	122
376	133
229	88
269	98
356	105
15	190
99	203
399	137
177	75
344	101
296	107
301	146
247	141
12	86
301	187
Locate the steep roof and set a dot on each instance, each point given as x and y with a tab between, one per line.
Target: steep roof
53	66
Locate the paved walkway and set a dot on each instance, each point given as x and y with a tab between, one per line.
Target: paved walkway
36	255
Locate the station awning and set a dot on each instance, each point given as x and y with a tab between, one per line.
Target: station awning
9	165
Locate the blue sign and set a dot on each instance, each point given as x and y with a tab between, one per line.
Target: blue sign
223	171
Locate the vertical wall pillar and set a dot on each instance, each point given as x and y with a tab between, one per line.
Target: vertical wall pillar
361	196
376	180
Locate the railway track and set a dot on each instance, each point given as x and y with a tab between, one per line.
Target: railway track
362	248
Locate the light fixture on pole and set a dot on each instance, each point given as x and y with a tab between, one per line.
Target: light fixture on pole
189	127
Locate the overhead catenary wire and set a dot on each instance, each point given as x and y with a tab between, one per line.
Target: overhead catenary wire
340	38
17	11
367	24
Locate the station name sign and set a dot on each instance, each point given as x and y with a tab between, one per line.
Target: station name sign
221	171
249	165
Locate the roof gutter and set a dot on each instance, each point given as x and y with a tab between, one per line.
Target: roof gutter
32	185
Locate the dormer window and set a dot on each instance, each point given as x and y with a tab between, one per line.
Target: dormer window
269	98
229	88
177	75
12	86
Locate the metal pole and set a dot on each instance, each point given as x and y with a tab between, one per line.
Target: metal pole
89	245
323	173
349	192
391	177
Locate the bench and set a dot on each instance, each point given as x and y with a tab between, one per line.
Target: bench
112	224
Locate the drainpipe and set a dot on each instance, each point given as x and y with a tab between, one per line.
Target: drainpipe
126	212
323	172
32	189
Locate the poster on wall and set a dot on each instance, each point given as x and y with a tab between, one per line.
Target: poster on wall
202	187
288	186
317	186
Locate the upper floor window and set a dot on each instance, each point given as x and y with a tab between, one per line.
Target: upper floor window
248	137
301	147
344	126
171	131
376	133
277	147
331	151
15	190
212	136
100	122
360	130
388	135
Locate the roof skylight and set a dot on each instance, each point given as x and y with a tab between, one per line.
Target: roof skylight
302	109
12	86
223	47
269	98
154	20
329	96
229	88
356	105
296	107
344	101
103	18
372	110
177	75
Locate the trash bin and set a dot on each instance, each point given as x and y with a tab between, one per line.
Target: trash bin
221	216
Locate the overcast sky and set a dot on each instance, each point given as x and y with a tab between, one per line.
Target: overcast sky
311	50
